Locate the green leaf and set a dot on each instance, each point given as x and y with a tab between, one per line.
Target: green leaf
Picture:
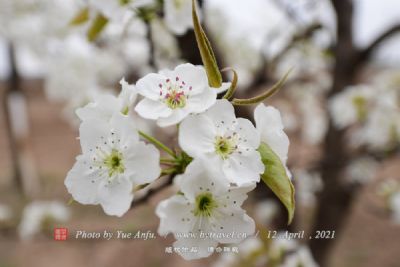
206	51
232	89
276	179
97	27
81	17
257	99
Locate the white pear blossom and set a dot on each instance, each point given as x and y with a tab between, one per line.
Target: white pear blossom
269	125
227	143
361	170
207	212
166	48
314	118
394	204
351	105
381	130
106	105
39	213
270	128
78	72
5	213
247	250
302	257
172	95
118	9
265	211
178	15
307	185
112	163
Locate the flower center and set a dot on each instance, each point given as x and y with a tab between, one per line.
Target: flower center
205	204
114	164
124	2
175	99
360	104
174	93
178	4
224	146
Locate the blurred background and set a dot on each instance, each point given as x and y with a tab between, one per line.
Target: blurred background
340	107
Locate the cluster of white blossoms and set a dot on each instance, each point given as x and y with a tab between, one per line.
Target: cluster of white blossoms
390	191
374	109
222	161
177	13
40	216
279	252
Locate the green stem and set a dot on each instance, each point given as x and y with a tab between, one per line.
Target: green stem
170	161
157	143
231	91
167	171
263	96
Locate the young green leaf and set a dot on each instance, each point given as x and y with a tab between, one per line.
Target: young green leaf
97	27
206	52
276	179
81	17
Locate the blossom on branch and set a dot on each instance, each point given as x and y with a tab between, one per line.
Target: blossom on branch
207	212
112	163
171	95
227	143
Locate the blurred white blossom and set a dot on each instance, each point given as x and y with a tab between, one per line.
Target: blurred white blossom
307	185
41	215
361	170
351	105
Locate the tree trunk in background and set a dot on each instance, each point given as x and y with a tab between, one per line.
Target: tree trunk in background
12	85
336	198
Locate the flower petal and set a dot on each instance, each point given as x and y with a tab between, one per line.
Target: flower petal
248	133
201	102
82	183
116	197
142	163
198	178
222	112
148	86
197	135
92	133
151	109
175	215
194	76
270	126
237	222
243	169
177	115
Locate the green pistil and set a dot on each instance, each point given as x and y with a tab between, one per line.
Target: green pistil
175	99
114	163
361	106
224	146
205	204
125	110
178	4
124	2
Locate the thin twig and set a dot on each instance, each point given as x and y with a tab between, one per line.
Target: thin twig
152	192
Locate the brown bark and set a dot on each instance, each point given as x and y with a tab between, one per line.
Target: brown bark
12	85
335	199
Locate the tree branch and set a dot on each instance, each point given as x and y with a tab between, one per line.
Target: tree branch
152	192
367	52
